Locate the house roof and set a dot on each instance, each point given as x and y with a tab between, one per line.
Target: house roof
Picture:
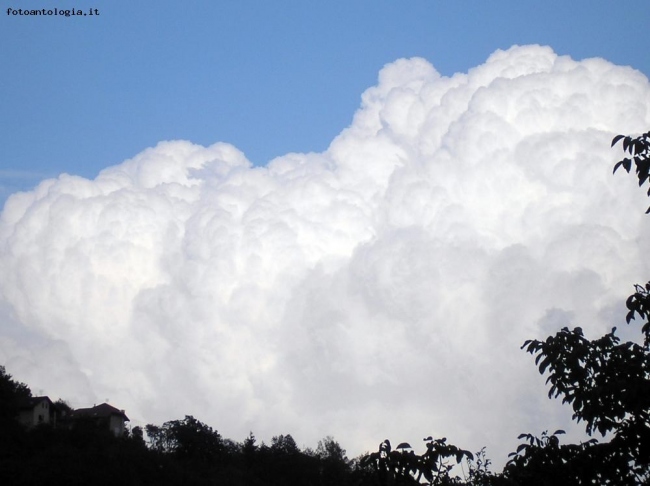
100	411
31	402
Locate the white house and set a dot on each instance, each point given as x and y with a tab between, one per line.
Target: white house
37	411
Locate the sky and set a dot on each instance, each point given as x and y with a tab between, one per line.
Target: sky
317	218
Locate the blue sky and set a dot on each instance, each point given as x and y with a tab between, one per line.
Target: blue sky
79	94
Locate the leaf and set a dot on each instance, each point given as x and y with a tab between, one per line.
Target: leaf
618	164
544	364
626	143
559	431
639	146
616	139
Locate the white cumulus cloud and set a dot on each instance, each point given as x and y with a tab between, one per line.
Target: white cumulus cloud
379	289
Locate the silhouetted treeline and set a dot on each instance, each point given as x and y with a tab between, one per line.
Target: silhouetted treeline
185	451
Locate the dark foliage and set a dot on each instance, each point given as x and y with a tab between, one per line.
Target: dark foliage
401	466
639	149
78	456
334	466
11	395
639	303
187	439
607	383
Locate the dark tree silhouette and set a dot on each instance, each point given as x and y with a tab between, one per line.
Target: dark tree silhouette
11	394
284	445
334	464
639	149
187	439
401	466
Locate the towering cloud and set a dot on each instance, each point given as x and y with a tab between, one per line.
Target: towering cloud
379	289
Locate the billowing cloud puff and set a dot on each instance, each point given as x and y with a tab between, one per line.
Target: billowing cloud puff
379	289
